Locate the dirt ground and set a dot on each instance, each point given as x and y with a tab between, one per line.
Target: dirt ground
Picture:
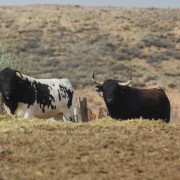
104	149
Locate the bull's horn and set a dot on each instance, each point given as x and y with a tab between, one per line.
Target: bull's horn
95	81
18	74
125	83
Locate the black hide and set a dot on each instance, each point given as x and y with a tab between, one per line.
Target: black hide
124	102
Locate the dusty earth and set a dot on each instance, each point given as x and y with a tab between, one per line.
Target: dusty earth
72	41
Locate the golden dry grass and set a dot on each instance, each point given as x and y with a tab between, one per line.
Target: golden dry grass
14	124
103	149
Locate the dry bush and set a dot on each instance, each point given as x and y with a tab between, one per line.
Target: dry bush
158	41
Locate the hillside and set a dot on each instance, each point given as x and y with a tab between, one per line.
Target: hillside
72	41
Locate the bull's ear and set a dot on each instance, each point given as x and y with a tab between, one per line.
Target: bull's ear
99	90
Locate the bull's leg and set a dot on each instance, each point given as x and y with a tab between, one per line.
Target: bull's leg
29	112
28	115
64	119
68	113
59	117
75	115
52	120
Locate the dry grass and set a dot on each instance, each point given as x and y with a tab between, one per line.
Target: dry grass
13	124
107	149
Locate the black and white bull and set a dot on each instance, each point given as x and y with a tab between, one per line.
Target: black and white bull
27	97
124	102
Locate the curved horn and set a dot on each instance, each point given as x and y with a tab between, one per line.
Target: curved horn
95	81
125	83
18	74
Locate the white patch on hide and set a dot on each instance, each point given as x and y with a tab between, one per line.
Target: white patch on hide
35	110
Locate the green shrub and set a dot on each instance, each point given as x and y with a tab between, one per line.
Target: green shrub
11	60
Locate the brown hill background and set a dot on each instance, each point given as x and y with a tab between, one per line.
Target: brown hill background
72	41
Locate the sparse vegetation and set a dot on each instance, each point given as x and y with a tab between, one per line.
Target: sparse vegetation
158	41
91	38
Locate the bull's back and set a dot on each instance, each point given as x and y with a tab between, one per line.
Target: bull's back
145	103
156	104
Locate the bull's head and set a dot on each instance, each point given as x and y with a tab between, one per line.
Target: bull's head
109	89
9	82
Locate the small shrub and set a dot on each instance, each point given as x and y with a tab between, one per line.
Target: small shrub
158	41
109	47
134	52
176	55
156	58
149	78
122	57
172	85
